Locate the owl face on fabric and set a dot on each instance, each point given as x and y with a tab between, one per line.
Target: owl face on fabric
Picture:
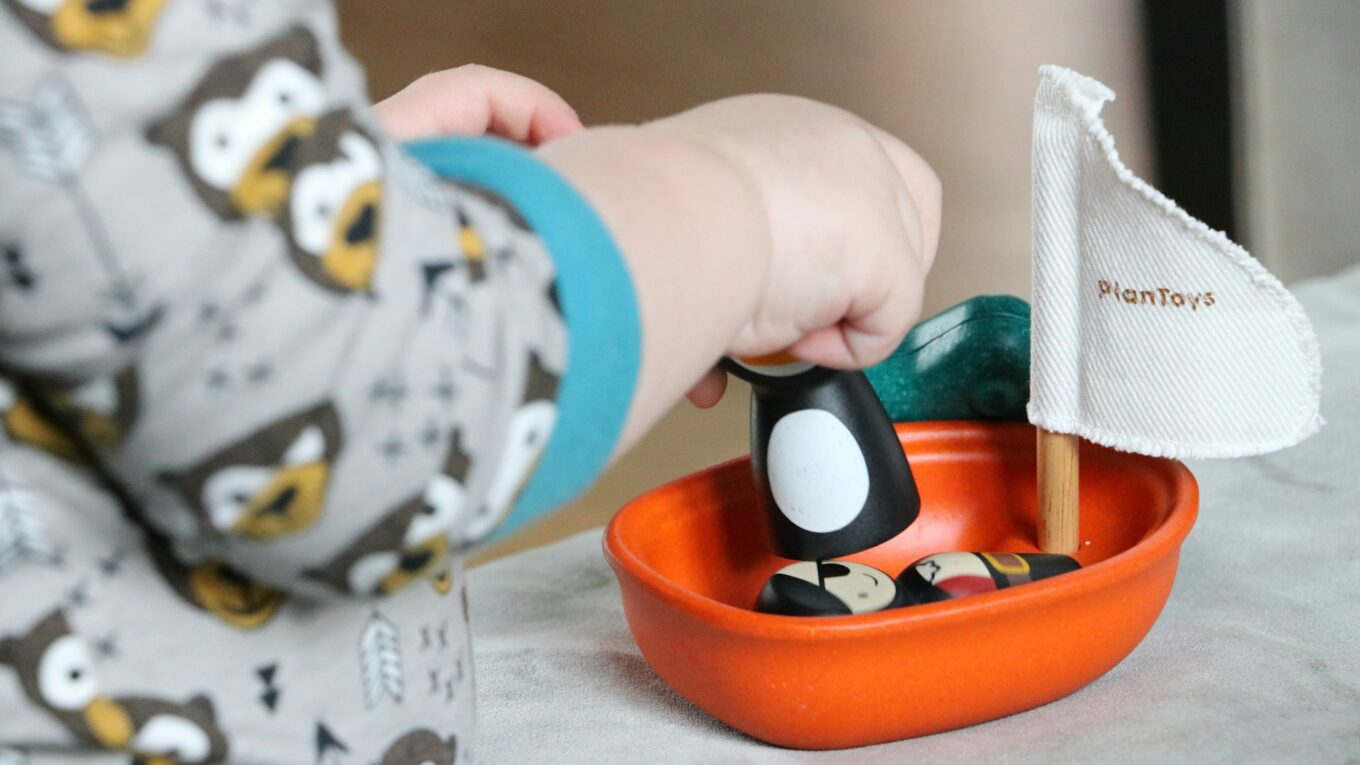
269	484
56	670
409	543
472	247
218	589
237	134
334	210
103	409
118	28
525	439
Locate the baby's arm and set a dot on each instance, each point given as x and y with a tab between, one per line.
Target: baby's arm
697	228
281	339
243	358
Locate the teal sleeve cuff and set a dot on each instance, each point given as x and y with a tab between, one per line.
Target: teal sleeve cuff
604	333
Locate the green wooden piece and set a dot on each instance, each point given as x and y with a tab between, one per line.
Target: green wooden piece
969	362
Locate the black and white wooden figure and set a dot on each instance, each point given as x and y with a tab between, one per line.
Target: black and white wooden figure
953	575
826	457
828	588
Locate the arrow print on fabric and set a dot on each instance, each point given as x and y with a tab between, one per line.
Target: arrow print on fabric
328	746
269	697
17	271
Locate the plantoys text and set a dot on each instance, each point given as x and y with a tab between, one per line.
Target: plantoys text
1161	296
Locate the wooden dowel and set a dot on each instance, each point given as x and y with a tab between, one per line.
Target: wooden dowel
1059	492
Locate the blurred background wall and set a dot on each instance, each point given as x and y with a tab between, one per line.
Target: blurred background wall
1298	113
954	79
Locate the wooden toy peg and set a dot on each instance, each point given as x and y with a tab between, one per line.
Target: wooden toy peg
953	575
826	458
1059	491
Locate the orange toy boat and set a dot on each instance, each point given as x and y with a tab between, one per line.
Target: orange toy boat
692	554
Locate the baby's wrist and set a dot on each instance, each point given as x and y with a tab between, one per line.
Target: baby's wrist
676	201
692	230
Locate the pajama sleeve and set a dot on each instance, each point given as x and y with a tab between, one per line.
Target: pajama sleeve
293	347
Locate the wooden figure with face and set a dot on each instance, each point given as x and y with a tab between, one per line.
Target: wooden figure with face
334	210
270	483
237	135
56	670
118	28
102	409
826	457
828	588
526	436
952	575
409	543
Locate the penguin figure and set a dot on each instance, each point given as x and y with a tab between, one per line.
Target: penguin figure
828	588
953	575
826	457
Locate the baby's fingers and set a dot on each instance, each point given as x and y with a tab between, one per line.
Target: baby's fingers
882	308
879	316
476	100
709	390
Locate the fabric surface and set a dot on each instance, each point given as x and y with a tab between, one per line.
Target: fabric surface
263	378
1256	658
598	303
1151	332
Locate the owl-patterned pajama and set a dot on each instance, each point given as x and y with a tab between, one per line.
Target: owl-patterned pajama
264	376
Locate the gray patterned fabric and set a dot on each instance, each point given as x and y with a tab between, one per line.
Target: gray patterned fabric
262	378
1256	658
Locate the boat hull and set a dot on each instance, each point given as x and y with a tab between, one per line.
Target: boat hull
691	557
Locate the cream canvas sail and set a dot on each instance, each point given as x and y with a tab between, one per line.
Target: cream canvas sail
1152	333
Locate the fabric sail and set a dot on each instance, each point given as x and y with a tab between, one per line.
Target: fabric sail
1151	332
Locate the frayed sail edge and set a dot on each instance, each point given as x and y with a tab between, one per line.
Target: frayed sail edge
1085	97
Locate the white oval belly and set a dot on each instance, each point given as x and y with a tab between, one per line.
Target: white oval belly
816	470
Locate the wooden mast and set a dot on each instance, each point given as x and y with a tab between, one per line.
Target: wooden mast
1059	491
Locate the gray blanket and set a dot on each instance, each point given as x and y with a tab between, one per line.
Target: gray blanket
1255	659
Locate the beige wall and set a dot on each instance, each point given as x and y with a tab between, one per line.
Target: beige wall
955	79
1299	108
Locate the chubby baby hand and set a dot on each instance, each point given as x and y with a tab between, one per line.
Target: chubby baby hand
475	100
757	224
853	218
